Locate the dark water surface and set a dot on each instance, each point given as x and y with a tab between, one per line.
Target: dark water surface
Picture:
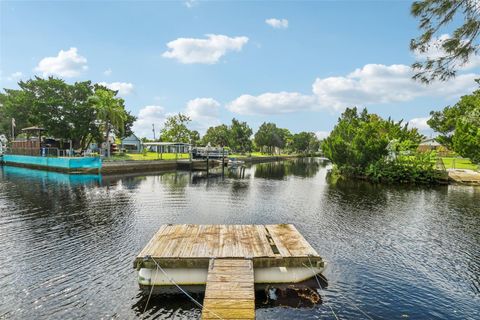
67	243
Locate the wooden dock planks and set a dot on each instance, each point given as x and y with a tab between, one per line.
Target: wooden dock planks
190	245
230	292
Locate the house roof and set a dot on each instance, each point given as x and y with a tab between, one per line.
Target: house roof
430	142
130	136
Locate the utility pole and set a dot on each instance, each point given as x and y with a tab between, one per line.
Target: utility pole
153	129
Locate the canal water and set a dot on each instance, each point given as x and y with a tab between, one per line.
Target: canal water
67	243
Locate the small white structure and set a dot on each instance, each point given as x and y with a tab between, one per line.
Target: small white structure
131	144
428	144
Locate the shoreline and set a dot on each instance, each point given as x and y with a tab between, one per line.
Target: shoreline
139	166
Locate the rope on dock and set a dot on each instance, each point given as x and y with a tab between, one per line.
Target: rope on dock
351	302
320	286
148	300
181	289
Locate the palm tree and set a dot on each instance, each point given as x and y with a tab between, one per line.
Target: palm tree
110	112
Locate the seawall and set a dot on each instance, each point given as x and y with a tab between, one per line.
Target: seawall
60	164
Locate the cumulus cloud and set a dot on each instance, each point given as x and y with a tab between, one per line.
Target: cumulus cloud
420	123
147	116
207	51
66	64
107	72
272	103
204	112
277	23
379	84
14	76
123	88
372	84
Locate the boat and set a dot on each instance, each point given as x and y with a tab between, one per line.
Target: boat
234	163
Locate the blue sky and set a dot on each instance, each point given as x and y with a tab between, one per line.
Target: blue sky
217	60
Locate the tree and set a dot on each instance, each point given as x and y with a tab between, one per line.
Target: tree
176	130
60	108
455	50
110	112
305	142
459	125
239	136
271	137
195	137
466	140
360	140
217	136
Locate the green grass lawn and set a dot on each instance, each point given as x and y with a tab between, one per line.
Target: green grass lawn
171	156
256	154
149	156
458	163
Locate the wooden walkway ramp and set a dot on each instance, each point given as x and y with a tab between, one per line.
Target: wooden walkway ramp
230	292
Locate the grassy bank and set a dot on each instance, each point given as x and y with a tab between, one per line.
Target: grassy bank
257	155
458	163
173	156
148	156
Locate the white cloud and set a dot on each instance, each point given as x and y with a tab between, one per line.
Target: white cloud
14	76
107	72
373	84
277	23
66	64
204	113
147	116
379	84
123	88
208	51
436	51
272	103
420	123
322	134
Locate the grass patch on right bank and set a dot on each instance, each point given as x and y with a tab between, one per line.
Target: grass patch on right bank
257	155
458	163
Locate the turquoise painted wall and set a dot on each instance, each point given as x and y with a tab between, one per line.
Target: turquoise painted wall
66	163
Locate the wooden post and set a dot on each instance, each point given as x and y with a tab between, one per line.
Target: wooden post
223	161
191	156
207	161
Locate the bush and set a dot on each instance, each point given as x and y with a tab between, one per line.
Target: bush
417	168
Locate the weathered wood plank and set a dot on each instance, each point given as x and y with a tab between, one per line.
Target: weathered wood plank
289	241
229	313
230	292
232	263
191	242
227	303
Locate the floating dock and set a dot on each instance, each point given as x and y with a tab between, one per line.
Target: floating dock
228	262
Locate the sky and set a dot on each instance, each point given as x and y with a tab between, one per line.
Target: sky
296	63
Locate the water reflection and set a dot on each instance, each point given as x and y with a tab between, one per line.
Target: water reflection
304	167
394	251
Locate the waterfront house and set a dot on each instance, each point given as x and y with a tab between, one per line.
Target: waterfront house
131	144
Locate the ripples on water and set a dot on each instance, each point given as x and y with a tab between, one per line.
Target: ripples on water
67	243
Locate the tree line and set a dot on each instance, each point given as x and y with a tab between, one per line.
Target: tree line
82	112
238	136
